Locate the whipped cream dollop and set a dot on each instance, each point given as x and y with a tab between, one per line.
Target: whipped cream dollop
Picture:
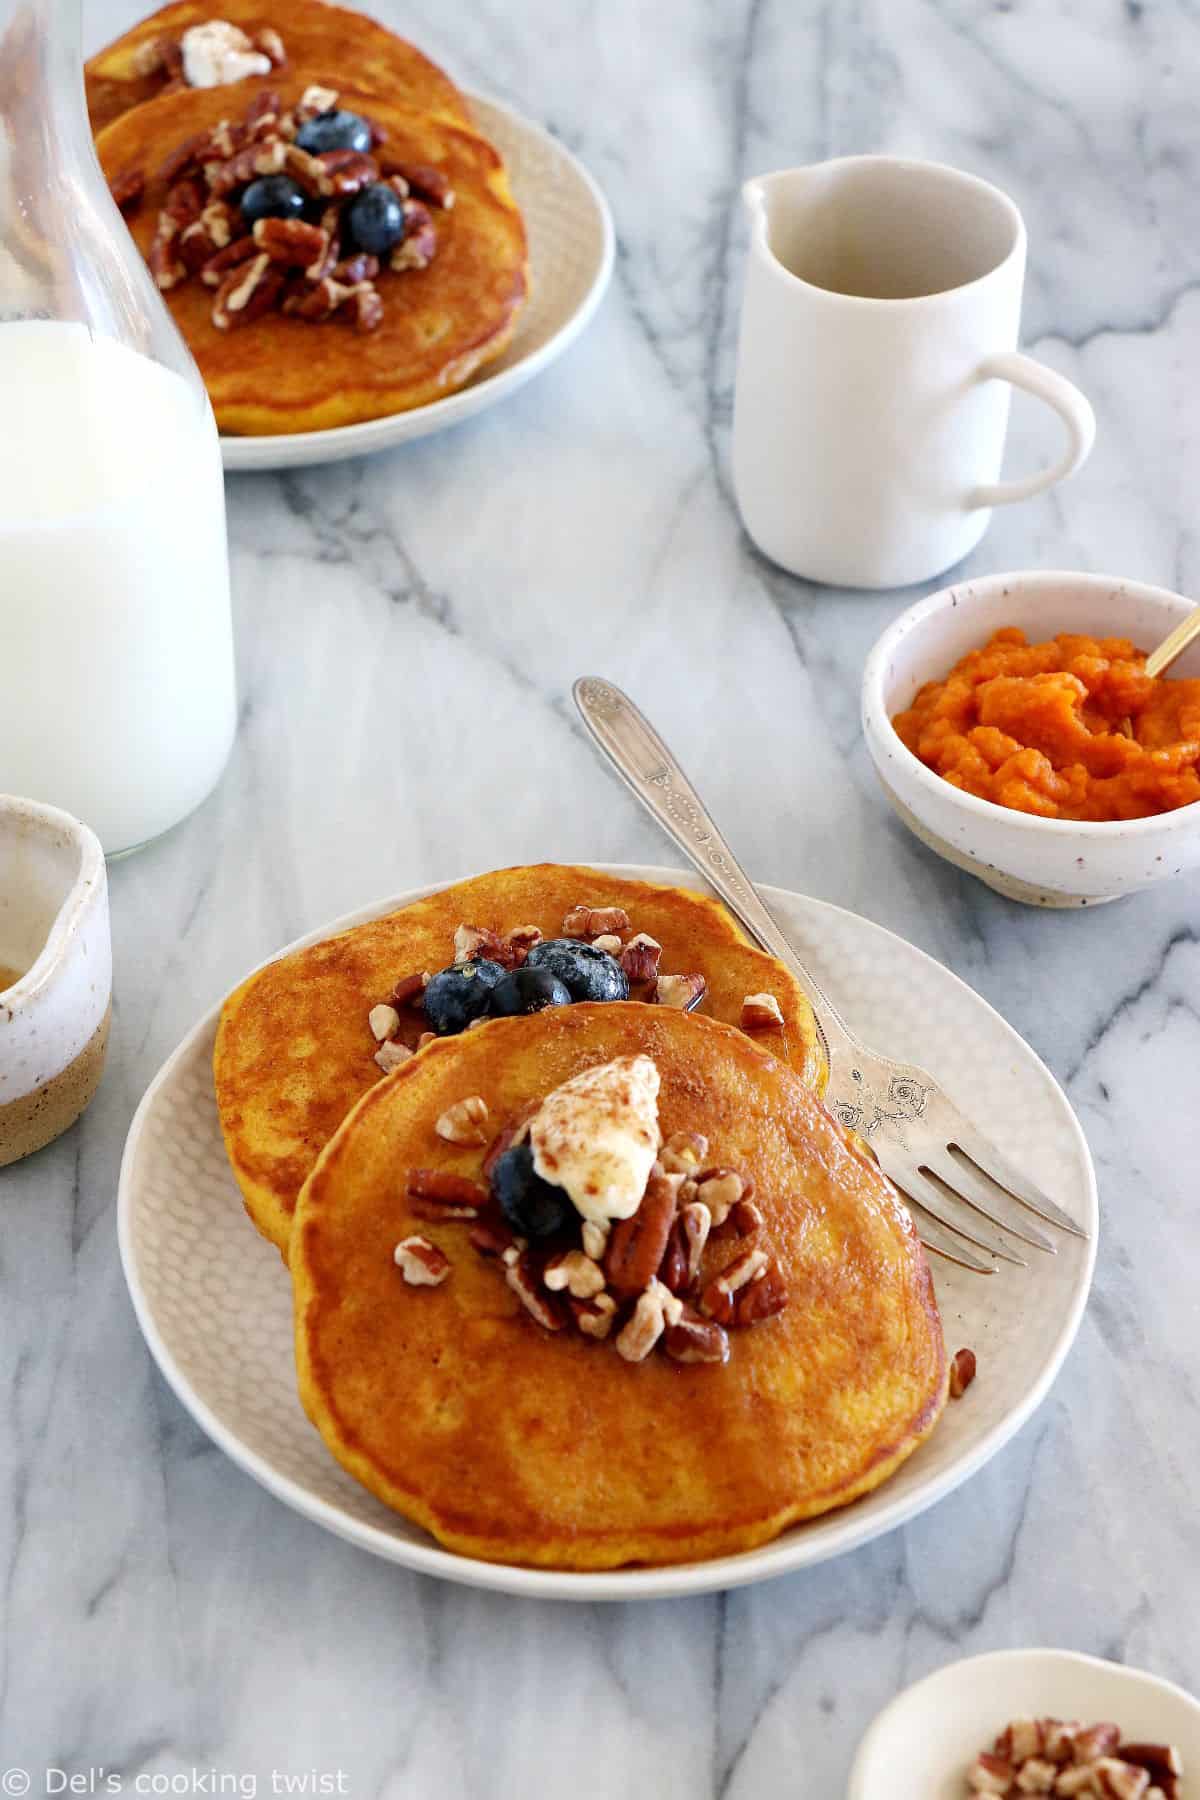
597	1136
217	52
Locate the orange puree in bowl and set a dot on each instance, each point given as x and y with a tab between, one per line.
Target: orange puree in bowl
1039	728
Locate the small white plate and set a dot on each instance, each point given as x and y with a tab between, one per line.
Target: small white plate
571	242
920	1747
214	1300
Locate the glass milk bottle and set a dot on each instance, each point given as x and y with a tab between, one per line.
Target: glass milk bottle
117	693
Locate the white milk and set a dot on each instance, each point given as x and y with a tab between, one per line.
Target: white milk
116	648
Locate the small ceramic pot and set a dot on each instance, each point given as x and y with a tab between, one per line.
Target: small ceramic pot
1044	862
55	973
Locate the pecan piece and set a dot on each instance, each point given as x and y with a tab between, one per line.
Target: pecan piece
384	1022
472	941
127	186
416	248
1114	1779
170	57
266	158
263	111
990	1774
463	1122
184	159
290	241
962	1373
547	1309
640	957
315	99
717	1299
268	40
353	269
390	1055
490	1236
609	942
594	1318
214	271
683	1152
347	170
314	301
184	201
762	1299
410	989
1096	1741
684	992
747	1218
147	58
424	180
454	1196
515	1132
576	1273
673	1269
166	264
421	1263
695	1340
761	1012
520	941
368	307
595	921
246	293
720	1190
636	1245
1162	1762
656	1309
1036	1776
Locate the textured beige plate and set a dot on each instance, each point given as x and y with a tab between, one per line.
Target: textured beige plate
570	259
214	1300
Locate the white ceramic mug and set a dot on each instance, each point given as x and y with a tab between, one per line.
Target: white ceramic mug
877	351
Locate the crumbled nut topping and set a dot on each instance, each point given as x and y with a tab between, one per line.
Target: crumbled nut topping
421	1263
610	945
1056	1756
389	1056
684	992
760	1012
640	957
463	1123
683	1152
962	1373
384	1022
656	1308
576	1273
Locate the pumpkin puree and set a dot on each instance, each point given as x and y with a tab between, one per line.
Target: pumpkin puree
1038	727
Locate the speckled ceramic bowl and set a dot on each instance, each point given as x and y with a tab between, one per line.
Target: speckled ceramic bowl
1044	862
55	973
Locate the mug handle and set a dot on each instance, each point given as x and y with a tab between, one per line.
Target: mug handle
1072	407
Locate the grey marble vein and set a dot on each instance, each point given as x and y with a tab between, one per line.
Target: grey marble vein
408	628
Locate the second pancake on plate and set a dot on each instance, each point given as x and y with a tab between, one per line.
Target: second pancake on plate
297	1044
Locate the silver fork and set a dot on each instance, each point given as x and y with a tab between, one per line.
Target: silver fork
958	1179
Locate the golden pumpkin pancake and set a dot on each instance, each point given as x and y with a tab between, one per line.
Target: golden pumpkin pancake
314	35
518	1444
294	1050
438	325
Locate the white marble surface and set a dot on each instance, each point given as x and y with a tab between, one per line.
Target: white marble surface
408	629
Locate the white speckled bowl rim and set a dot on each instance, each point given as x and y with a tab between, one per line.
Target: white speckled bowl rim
59	938
572	247
1021	1321
970	1701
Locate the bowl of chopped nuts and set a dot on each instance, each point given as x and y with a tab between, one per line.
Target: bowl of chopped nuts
1022	1722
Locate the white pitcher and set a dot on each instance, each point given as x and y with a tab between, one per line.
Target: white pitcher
878	345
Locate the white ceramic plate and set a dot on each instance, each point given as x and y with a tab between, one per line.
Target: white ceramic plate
214	1300
570	259
919	1748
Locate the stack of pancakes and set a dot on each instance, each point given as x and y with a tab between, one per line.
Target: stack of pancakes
451	1403
441	324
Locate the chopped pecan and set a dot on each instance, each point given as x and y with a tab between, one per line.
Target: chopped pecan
640	957
314	100
1113	1779
184	200
268	40
472	941
147	58
747	1218
353	269
410	989
656	1309
990	1774
1162	1762
610	943
423	180
127	186
426	1037
636	1245
463	1122
421	1263
185	158
1077	1779
547	1309
720	1190
246	293
576	1273
215	270
717	1299
594	1237
166	264
594	1317
267	158
390	1055
1096	1741
347	170
760	1012
170	57
315	301
695	1340
1058	1739
762	1299
683	1152
514	1132
696	1223
455	1196
368	307
520	941
594	921
962	1373
224	140
684	992
417	247
673	1269
384	1021
1036	1776
293	242
262	114
491	1236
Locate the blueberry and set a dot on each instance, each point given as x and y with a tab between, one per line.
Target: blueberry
586	973
533	1208
527	991
334	130
456	996
273	197
376	219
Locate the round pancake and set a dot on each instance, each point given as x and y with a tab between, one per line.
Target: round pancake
315	34
512	1444
294	1051
440	324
